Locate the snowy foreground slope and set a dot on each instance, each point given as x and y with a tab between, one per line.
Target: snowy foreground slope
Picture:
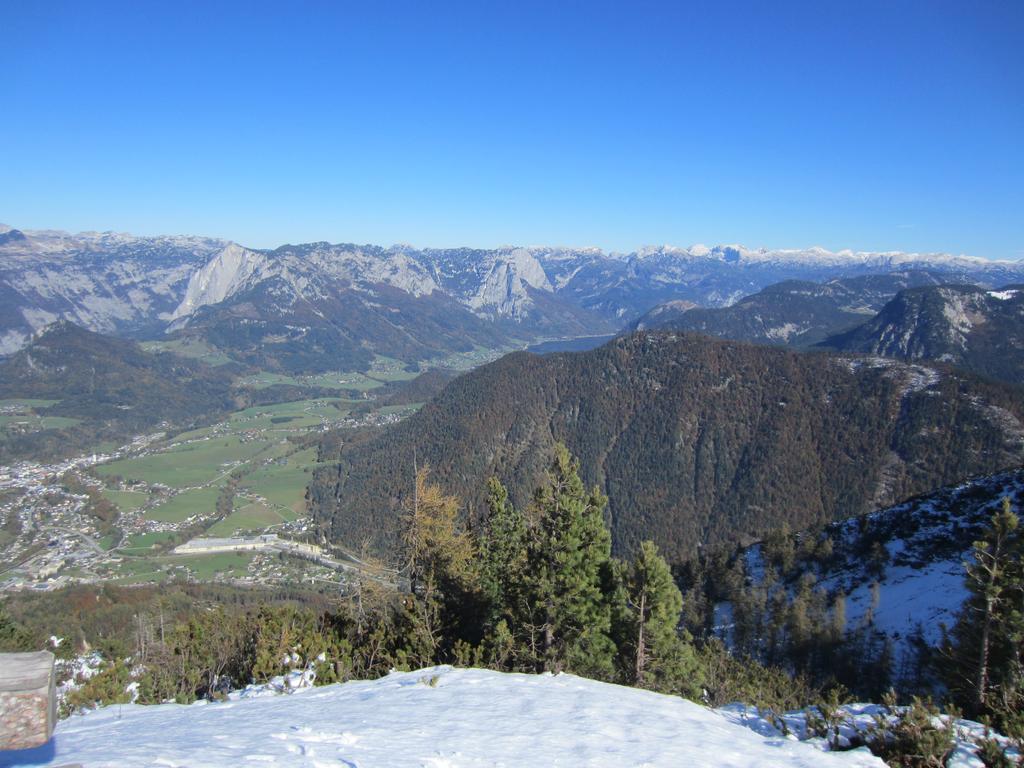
468	717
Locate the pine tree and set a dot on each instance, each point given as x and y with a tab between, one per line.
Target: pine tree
838	627
570	575
652	652
502	554
985	658
13	637
442	575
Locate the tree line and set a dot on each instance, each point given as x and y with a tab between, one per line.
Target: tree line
531	589
536	589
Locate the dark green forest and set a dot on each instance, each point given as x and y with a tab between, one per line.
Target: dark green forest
694	441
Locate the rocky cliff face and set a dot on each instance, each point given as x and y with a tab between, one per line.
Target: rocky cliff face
122	284
227	273
103	281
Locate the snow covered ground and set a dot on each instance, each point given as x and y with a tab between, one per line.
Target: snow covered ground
921	584
438	718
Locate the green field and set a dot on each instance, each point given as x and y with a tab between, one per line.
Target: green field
127	501
142	543
223	563
383	370
297	414
284	484
139	571
21	412
193	348
25	404
188	465
464	361
266	379
148	577
179	508
58	422
251	517
194	434
330	380
389	369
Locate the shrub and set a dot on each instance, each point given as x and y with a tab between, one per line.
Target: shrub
916	736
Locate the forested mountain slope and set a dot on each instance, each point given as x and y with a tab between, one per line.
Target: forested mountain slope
272	327
694	440
977	329
794	312
898	573
112	387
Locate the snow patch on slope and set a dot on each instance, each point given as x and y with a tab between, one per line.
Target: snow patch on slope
12	341
784	332
434	717
1002	295
961	314
921	584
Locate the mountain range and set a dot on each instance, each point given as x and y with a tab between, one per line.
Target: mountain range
319	305
695	441
970	327
796	313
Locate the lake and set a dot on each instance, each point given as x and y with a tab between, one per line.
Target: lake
578	344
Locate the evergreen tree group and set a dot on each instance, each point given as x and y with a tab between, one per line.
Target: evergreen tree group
983	659
532	589
538	590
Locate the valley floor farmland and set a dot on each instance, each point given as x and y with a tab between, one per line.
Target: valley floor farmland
118	516
118	511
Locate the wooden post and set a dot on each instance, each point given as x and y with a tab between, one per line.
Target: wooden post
28	699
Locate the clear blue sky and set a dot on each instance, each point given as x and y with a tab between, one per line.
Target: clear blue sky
890	125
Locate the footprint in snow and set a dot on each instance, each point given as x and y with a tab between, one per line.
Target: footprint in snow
307	734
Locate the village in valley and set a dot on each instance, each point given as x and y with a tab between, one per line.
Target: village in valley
224	502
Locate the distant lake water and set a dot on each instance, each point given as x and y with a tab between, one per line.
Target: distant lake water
581	344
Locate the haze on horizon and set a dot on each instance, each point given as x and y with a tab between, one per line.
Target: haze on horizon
877	127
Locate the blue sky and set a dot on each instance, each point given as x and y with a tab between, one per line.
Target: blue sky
892	125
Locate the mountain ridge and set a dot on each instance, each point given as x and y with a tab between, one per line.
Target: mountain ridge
149	286
695	440
792	313
111	386
974	328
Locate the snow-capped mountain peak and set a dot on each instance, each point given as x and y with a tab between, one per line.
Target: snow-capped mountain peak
113	282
